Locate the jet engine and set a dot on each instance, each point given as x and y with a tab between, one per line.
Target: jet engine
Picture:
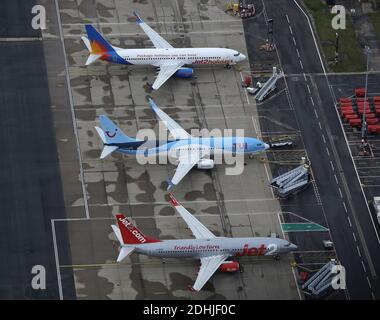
184	73
229	266
205	164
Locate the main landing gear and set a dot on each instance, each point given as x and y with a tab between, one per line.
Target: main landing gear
276	257
149	86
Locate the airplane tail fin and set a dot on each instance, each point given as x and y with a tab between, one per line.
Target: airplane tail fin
98	47
129	234
111	135
125	251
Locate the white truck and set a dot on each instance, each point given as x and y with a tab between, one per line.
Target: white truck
376	204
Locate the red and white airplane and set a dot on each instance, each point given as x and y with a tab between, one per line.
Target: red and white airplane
212	251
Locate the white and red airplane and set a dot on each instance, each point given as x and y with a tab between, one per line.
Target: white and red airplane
212	251
170	61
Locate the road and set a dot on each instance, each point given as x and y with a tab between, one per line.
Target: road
342	199
31	193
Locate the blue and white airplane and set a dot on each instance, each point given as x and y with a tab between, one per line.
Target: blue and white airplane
185	150
169	60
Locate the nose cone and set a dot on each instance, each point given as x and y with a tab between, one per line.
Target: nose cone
266	146
293	247
242	57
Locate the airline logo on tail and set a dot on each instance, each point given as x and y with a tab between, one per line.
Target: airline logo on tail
130	234
100	48
111	135
97	48
132	229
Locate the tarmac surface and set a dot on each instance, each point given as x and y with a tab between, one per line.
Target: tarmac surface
94	190
58	198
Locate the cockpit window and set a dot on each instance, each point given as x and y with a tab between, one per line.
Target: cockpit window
259	144
287	245
237	54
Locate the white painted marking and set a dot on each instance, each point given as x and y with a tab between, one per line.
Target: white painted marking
245	91
312	33
128	34
348	218
320	126
365	270
294	41
323	137
279	222
257	132
353	234
287	18
369	283
332	165
304	76
267	172
312	101
308	88
154	23
56	260
301	64
291	30
327	151
296	282
298	54
81	173
316	114
340	192
357	248
336	179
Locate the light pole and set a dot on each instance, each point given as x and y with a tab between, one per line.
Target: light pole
364	122
336	47
270	34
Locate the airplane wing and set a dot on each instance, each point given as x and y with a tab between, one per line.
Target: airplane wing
167	69
156	39
196	227
208	267
175	129
186	162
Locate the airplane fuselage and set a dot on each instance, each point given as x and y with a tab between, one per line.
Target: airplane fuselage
198	248
212	146
188	56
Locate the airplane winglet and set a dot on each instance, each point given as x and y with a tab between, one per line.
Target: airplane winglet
152	103
138	19
170	185
173	200
191	288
